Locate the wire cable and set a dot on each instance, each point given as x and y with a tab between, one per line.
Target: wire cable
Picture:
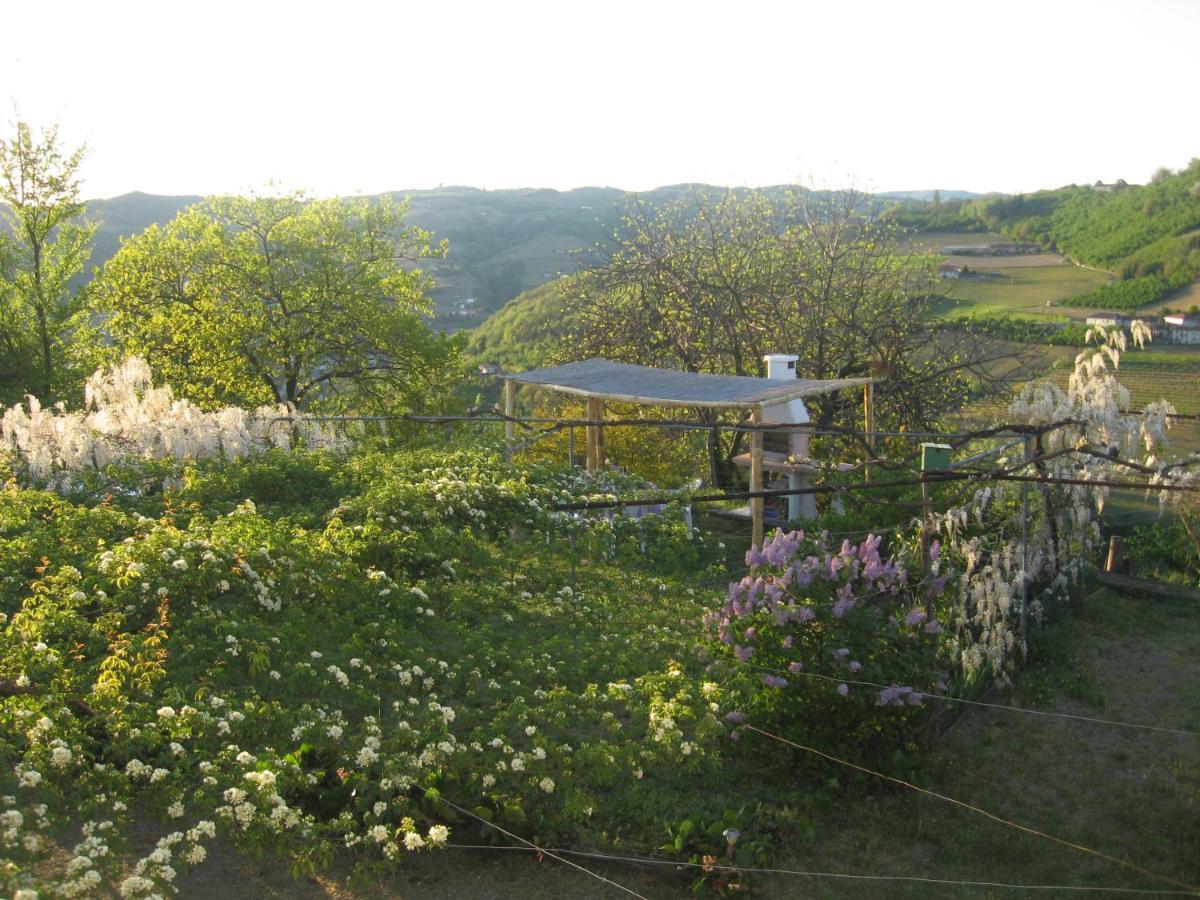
1179	732
533	846
919	879
978	811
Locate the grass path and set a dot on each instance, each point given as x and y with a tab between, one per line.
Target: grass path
1134	795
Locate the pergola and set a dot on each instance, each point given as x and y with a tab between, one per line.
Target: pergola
601	380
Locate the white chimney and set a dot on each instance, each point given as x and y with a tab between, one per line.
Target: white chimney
781	366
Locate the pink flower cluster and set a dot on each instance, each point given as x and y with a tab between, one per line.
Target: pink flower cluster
789	563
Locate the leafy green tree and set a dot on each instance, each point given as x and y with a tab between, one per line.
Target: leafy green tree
715	282
43	246
281	300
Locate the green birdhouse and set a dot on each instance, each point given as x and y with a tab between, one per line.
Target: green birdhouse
935	457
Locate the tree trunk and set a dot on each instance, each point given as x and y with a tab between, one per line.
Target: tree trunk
47	357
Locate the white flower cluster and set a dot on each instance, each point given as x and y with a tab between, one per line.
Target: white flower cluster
124	415
998	579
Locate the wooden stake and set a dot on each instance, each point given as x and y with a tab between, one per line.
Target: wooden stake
756	479
510	405
869	423
595	435
1115	564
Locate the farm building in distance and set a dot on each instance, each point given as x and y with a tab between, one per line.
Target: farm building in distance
950	270
995	248
1110	320
1182	328
1173	328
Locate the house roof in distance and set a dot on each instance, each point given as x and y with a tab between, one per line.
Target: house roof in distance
607	380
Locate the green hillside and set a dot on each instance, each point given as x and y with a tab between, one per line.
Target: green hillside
1147	235
501	242
526	330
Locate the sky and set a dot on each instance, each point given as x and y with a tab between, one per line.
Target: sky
350	97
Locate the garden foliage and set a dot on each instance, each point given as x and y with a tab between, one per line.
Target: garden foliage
306	650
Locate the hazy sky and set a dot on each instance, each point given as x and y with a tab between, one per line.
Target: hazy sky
346	96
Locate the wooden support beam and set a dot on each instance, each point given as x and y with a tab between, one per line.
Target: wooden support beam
869	413
601	456
595	435
756	479
510	405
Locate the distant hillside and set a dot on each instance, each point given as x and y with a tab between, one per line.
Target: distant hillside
505	242
931	195
502	243
526	330
128	215
1148	235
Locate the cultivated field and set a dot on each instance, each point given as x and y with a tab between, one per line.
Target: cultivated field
1187	298
933	242
1028	293
997	263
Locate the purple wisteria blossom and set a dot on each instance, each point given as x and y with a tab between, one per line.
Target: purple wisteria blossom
796	596
899	695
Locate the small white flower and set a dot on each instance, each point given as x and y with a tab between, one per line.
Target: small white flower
413	841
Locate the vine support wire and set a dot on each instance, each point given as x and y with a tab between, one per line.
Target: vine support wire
1025	549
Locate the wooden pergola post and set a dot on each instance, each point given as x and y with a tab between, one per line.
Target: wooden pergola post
869	422
595	435
510	405
756	479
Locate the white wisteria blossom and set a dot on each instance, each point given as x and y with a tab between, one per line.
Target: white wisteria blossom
125	416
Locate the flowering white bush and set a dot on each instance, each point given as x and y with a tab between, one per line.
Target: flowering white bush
125	416
1085	432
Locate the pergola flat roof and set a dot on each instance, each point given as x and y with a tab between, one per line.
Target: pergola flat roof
604	379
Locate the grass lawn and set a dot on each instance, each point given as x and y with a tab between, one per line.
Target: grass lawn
1130	794
1028	293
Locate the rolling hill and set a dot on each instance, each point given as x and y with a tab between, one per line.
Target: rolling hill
502	242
